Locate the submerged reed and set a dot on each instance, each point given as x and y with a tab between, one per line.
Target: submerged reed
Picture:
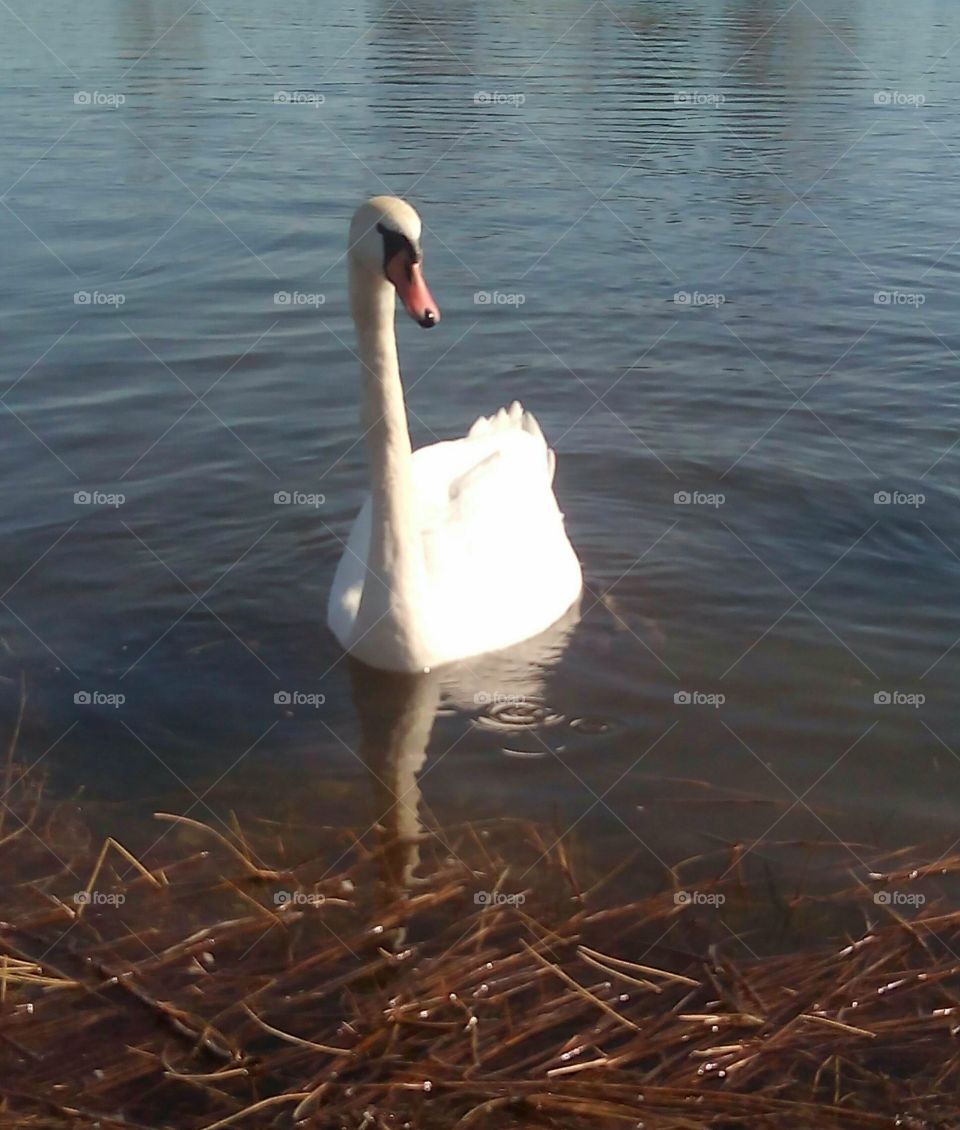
202	986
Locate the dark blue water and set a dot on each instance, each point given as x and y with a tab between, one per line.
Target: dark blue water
720	245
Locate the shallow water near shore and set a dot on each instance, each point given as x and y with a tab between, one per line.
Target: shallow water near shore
710	246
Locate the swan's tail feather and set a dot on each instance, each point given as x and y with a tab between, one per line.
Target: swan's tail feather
531	425
480	427
514	417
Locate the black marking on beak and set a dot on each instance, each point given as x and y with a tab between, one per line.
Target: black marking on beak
429	320
395	242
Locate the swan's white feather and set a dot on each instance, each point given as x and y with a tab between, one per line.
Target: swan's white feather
499	566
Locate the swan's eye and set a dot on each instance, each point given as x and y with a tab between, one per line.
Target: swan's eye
394	243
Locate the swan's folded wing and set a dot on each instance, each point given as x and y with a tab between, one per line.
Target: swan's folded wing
488	515
512	468
475	478
499	566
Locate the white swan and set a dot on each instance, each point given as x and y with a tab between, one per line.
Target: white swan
460	548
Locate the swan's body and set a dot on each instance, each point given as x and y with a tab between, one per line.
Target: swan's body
497	564
460	548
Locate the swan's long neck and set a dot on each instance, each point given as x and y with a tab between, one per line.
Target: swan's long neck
394	584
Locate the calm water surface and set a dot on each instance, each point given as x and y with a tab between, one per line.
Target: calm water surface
718	243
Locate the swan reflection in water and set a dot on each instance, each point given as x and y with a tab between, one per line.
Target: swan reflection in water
397	712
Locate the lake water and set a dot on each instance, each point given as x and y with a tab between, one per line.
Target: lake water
713	246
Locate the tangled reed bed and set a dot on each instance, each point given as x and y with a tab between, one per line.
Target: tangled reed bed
205	985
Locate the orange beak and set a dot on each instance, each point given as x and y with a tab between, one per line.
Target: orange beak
411	286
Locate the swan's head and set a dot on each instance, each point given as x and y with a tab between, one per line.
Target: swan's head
385	240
